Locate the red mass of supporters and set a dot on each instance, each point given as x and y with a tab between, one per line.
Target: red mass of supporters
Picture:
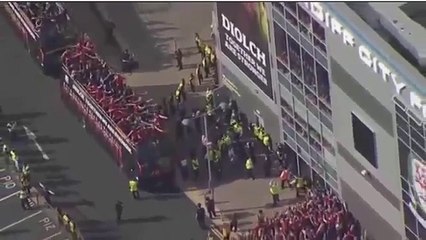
320	216
138	119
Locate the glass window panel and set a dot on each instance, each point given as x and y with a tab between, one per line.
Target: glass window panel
311	96
304	17
410	235
326	144
403	152
281	43
325	109
422	230
281	67
291	19
296	82
292	6
286	106
320	45
298	94
400	111
410	219
294	55
316	145
312	107
302	143
288	129
400	122
287	117
279	7
418	150
414	125
307	45
405	185
305	32
301	130
326	121
318	30
323	83
284	80
403	136
416	136
308	66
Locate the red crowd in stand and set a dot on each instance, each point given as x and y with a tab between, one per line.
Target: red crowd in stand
320	216
137	118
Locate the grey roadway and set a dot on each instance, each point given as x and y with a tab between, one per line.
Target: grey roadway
83	174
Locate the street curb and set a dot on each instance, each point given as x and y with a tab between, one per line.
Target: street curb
101	10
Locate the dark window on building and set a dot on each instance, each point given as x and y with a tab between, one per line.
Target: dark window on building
292	6
294	55
410	235
410	219
422	230
282	68
290	18
281	43
400	122
403	151
279	7
304	17
417	138
318	30
323	83
364	140
417	127
308	70
304	169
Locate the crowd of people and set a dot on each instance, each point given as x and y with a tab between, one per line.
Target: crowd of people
320	216
139	119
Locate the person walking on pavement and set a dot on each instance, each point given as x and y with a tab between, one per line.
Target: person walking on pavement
191	82
23	196
234	223
133	187
179	57
172	108
205	67
274	190
184	169
200	216
199	73
210	206
198	42
285	178
249	168
118	211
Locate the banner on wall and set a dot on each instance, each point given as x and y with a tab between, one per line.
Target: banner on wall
244	39
417	182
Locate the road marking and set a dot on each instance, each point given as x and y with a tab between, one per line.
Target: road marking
33	138
9	196
22	220
54	235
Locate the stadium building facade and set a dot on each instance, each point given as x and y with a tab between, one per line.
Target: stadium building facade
329	81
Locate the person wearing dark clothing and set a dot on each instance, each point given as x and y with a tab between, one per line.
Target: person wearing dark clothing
199	74
200	216
191	82
179	57
210	207
234	223
118	210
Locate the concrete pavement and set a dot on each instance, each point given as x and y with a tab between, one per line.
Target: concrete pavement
79	170
164	26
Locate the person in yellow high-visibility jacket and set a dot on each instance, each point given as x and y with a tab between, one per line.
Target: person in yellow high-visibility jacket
275	192
249	168
133	187
267	141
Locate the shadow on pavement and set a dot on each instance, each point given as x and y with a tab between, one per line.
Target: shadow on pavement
64	182
71	204
51	140
50	168
164	197
13	232
153	219
95	229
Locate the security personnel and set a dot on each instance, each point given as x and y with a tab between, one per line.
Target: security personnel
25	185
274	190
213	59
191	82
73	229
207	52
198	42
23	197
300	185
199	74
26	172
65	220
14	157
195	167
133	187
267	141
209	96
249	168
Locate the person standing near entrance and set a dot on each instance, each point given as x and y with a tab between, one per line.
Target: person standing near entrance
249	168
274	190
133	187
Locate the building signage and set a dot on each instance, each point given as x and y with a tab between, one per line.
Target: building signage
244	38
366	55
